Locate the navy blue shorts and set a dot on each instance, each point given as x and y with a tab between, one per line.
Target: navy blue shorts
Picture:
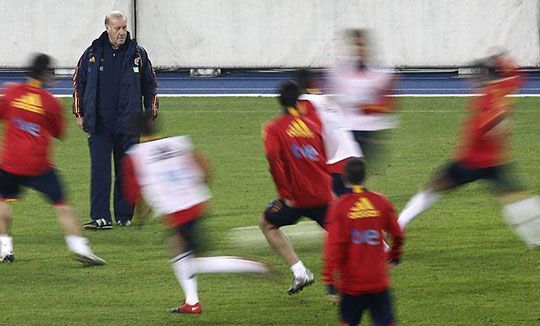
499	176
379	305
194	234
189	235
47	183
279	214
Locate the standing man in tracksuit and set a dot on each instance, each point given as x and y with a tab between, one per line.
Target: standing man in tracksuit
113	82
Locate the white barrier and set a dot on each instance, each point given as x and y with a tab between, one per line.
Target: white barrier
277	33
61	28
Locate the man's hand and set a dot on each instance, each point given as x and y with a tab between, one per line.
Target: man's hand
288	202
80	121
141	213
332	294
393	263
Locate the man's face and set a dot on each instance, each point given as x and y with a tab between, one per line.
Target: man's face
117	31
361	49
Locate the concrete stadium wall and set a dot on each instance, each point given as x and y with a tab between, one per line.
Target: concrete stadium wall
61	28
277	33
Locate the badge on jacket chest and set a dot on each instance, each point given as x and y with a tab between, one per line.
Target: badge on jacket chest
136	64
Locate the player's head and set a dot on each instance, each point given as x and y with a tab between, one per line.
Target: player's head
485	70
289	92
355	172
305	78
41	67
358	40
144	125
116	27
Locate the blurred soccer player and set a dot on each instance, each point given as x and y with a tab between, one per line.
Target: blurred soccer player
32	118
354	257
339	143
171	177
362	92
295	152
483	152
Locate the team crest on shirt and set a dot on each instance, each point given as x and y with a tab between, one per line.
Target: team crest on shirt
92	59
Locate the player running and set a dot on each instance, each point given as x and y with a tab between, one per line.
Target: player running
170	175
339	143
483	153
295	152
363	94
32	118
354	257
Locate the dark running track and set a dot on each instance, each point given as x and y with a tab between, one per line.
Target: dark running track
263	83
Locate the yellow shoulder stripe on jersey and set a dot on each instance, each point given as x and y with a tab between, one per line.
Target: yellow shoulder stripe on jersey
293	111
34	83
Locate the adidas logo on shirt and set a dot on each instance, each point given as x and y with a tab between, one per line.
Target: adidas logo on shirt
363	208
298	128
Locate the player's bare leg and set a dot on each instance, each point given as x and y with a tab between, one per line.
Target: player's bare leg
281	244
6	242
425	198
522	213
76	243
186	266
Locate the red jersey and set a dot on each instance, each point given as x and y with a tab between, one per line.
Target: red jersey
354	257
479	148
295	152
32	118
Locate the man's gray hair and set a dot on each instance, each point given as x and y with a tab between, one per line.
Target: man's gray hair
114	14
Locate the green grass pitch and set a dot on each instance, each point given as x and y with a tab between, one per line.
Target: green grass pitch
462	265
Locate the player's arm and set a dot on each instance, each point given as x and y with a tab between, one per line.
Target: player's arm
203	163
149	86
132	189
512	78
3	103
272	149
394	230
492	116
386	103
335	246
79	84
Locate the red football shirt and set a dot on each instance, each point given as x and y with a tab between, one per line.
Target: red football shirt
480	148
354	257
295	152
32	117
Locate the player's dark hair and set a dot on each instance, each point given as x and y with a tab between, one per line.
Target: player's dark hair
143	125
41	64
304	79
289	92
356	33
487	68
355	171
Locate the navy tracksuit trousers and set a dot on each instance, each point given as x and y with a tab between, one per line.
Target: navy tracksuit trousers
102	146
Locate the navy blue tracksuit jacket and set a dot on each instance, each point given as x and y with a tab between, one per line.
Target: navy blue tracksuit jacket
110	87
